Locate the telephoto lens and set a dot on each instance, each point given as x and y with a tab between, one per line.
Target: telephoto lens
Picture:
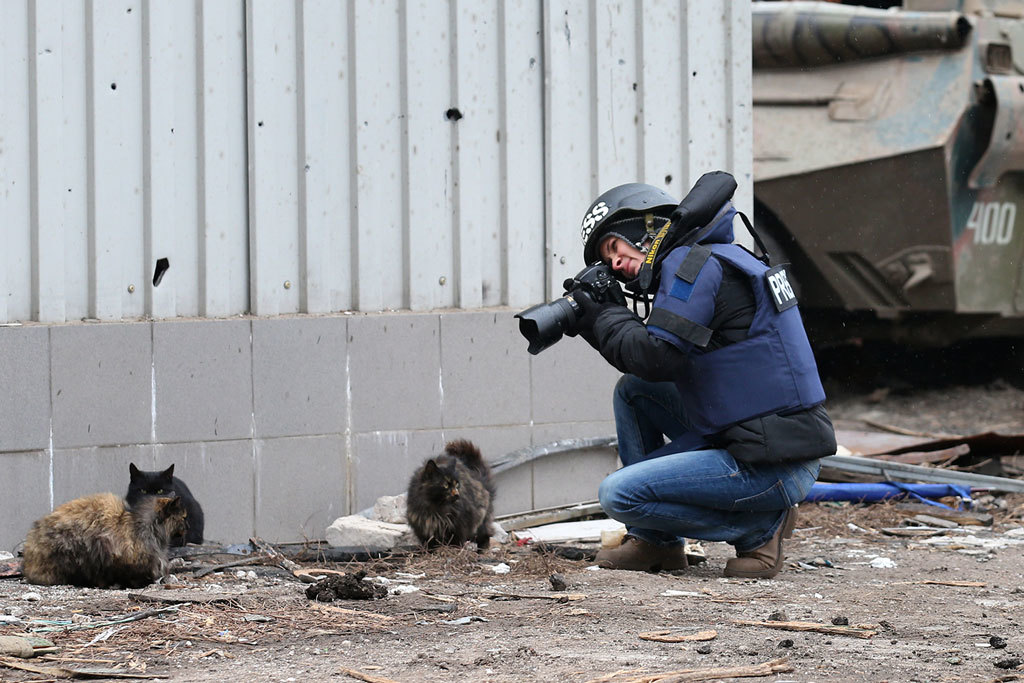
544	324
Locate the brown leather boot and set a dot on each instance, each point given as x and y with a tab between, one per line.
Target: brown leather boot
642	556
766	561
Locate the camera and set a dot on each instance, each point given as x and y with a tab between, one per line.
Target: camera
544	324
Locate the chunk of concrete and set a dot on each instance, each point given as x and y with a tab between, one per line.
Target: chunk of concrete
357	533
390	509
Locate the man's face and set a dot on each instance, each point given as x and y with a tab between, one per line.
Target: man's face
621	256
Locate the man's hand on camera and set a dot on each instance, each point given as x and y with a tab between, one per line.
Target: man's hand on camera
591	310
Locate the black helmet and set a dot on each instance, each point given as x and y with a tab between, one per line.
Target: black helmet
621	211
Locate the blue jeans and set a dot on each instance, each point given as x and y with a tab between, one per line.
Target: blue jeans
687	489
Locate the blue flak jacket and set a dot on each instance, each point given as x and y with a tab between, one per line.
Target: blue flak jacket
771	371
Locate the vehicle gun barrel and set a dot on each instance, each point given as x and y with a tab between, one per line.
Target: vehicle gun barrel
787	34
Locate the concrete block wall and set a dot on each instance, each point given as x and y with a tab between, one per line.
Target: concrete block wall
280	425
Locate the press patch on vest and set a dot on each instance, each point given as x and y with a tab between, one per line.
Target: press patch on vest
687	330
778	284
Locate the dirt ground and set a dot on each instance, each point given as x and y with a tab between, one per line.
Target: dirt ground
942	608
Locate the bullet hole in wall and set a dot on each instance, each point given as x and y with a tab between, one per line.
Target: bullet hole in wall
453	114
162	264
113	86
259	123
668	179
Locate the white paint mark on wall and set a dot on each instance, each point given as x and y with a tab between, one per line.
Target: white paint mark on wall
349	486
152	401
49	453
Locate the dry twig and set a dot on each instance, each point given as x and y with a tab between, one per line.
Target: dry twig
855	631
369	678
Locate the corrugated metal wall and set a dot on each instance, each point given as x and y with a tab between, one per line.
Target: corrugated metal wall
320	156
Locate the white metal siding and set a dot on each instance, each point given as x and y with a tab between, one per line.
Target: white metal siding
316	156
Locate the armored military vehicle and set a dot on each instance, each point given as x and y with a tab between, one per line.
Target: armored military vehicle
889	164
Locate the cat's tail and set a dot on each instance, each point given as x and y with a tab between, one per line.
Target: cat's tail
469	454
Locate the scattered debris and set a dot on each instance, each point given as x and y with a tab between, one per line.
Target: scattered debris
557	582
273	553
1011	663
959	517
310	575
840	621
855	631
65	672
997	643
345	587
25	646
501	568
587	530
670	637
134	616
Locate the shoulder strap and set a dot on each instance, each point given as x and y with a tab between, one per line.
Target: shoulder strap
757	238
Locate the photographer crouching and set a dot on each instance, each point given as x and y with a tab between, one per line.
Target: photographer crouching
722	368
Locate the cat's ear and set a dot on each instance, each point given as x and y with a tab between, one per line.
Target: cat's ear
430	467
167	506
133	470
168	473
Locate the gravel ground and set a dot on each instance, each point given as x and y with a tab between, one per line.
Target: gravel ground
941	608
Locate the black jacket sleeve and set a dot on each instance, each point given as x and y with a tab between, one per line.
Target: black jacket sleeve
621	337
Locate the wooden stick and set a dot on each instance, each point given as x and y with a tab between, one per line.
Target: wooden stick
766	669
62	672
369	678
909	432
253	559
669	637
274	553
560	597
810	626
353	612
958	584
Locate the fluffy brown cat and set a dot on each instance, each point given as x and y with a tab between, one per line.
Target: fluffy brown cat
451	498
99	541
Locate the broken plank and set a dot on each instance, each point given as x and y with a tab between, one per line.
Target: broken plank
670	637
810	626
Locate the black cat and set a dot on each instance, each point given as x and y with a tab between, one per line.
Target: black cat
163	484
451	498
